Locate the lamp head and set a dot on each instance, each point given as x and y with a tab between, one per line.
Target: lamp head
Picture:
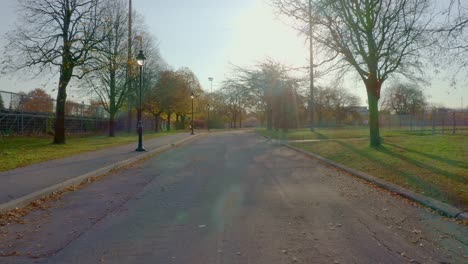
141	58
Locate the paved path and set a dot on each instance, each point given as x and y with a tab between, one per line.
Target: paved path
233	198
317	140
22	181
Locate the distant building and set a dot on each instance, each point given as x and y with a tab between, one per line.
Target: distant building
250	122
362	114
362	110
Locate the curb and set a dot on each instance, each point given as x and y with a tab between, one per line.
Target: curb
438	206
25	200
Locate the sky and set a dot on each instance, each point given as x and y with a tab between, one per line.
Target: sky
209	36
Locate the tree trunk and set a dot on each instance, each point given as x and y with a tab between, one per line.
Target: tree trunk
129	120
65	77
182	120
112	103
157	119
112	125
234	121
168	125
240	119
269	116
373	96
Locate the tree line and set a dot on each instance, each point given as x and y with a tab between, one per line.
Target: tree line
377	40
94	43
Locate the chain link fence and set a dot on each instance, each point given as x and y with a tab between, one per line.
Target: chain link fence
25	115
437	121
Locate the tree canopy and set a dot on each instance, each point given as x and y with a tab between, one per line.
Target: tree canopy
56	35
404	99
376	38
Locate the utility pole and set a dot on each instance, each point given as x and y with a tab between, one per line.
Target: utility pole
454	121
129	65
462	112
209	101
192	96
311	69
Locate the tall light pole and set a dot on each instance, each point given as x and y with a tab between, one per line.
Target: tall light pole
192	97
311	50
211	93
129	64
140	61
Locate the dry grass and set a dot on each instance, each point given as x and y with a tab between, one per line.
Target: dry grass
22	151
435	166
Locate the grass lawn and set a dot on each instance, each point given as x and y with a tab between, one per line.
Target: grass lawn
20	151
345	132
435	166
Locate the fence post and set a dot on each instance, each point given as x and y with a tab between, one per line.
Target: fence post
96	120
433	122
82	116
454	122
443	122
464	121
22	113
390	122
411	123
422	122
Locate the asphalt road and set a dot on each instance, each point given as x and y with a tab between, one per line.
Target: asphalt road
38	176
233	198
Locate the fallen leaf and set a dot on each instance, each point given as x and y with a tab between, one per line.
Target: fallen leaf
11	254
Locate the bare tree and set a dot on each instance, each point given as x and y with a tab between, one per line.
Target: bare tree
109	80
456	20
270	88
237	98
404	99
451	34
334	102
323	103
112	78
376	38
56	35
344	105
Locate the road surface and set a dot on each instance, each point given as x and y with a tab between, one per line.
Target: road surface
232	198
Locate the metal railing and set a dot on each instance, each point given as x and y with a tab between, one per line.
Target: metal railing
437	121
26	114
22	114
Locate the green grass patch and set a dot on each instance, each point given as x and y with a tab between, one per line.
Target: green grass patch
20	151
434	166
344	133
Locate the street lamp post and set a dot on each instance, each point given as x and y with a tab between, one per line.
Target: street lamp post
192	97
311	70
129	59
211	93
141	62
